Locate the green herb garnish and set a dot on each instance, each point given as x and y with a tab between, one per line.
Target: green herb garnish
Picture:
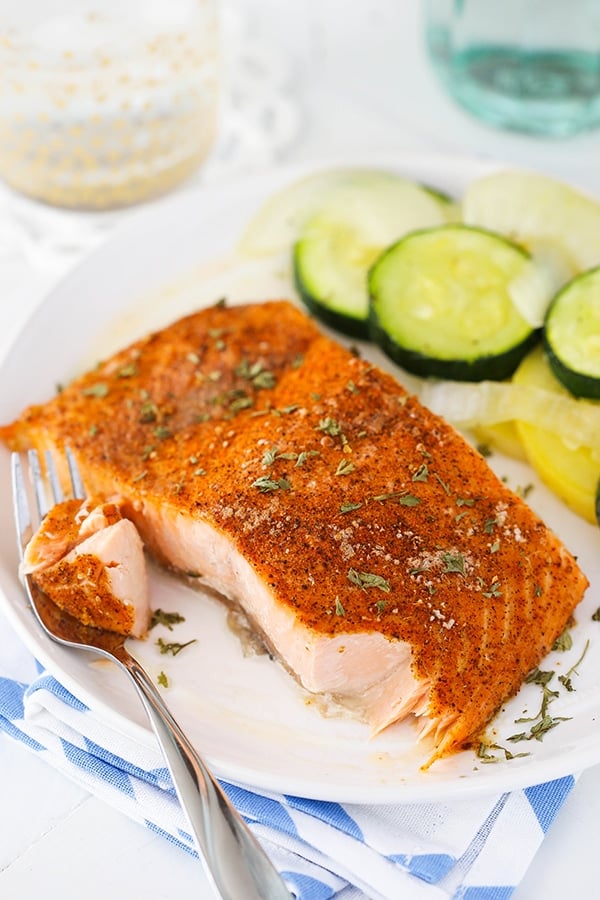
96	390
240	403
304	455
168	619
537	731
256	374
494	590
173	648
128	371
266	484
565	680
524	491
366	580
350	507
269	456
345	467
539	676
148	412
453	562
445	486
331	427
564	641
483	753
402	497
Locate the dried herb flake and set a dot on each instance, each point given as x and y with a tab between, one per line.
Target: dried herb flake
366	580
266	484
453	562
168	619
350	507
173	648
100	389
345	467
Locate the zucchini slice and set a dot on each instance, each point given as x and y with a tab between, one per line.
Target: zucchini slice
536	210
572	335
345	235
441	305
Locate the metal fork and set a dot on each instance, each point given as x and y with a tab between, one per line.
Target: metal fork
234	861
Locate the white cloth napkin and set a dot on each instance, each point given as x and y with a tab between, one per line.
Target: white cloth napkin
467	849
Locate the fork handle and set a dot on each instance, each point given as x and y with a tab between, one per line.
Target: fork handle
234	861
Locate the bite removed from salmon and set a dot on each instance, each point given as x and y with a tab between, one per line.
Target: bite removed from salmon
90	562
371	547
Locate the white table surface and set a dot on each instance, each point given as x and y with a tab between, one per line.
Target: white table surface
362	84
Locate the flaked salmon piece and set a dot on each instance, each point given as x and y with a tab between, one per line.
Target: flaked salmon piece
371	547
90	561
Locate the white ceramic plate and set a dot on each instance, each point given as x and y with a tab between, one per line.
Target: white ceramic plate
254	725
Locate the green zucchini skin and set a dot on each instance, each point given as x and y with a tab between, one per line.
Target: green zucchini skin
579	303
349	325
577	384
598	502
485	368
345	234
386	320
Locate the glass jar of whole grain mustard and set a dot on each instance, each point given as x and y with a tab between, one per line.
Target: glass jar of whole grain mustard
106	103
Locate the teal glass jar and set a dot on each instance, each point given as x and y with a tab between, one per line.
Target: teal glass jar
528	65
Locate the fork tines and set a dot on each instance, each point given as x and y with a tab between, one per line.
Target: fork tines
45	484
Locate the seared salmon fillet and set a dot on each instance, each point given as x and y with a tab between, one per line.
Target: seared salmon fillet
89	561
371	547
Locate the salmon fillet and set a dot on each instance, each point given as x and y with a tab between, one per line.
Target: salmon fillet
370	546
89	561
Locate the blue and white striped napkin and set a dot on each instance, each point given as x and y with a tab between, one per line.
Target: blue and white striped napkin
470	849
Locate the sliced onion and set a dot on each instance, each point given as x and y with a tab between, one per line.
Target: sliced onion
469	405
